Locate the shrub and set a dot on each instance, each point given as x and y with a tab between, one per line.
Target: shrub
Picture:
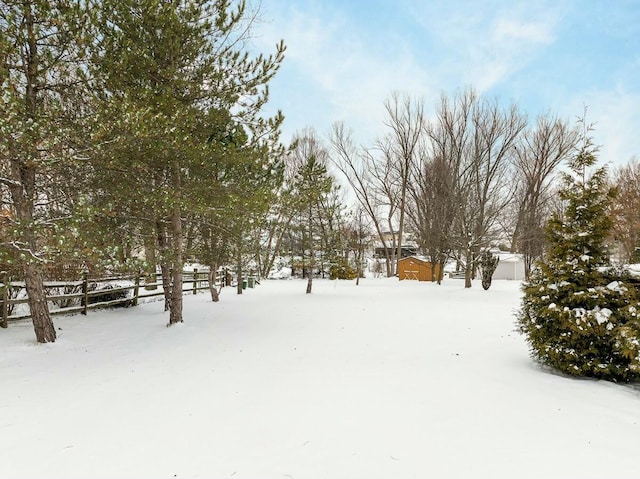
342	270
580	315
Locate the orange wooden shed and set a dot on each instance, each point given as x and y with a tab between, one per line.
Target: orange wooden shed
416	268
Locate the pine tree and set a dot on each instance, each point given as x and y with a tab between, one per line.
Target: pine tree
312	186
42	49
580	315
174	89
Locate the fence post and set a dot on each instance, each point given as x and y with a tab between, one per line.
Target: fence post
85	292
5	300
136	289
195	280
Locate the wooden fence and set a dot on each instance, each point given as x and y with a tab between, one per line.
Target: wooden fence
81	296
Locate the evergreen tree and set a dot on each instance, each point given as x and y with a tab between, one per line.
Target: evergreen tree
312	186
579	315
175	92
42	48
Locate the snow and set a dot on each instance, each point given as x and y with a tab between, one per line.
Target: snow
386	379
282	273
602	315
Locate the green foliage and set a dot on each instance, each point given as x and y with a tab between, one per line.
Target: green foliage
42	49
341	269
313	195
579	315
178	122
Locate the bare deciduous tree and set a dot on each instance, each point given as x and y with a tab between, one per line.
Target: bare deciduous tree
538	155
363	175
626	211
432	209
486	185
405	118
434	189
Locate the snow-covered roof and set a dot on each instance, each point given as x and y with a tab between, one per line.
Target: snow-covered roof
419	257
510	257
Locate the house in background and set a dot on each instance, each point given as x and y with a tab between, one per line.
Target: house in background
409	246
416	268
407	250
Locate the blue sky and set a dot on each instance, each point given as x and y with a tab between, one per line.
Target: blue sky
344	58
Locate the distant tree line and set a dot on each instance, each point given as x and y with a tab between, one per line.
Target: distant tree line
474	176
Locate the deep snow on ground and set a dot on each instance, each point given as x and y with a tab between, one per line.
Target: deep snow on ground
383	380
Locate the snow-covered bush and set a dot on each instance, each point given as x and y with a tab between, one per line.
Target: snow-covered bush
488	265
579	314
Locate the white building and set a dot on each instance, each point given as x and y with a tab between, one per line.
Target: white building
510	266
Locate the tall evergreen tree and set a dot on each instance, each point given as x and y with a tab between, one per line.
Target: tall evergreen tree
312	186
41	50
580	316
173	81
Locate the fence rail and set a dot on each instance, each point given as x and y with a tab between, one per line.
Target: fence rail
87	295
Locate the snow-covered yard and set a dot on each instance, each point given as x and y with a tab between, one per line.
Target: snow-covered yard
385	380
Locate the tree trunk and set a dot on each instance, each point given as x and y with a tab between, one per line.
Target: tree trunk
401	225
23	189
42	324
467	277
175	311
150	279
239	265
468	269
312	258
23	198
165	272
272	253
310	281
164	267
215	295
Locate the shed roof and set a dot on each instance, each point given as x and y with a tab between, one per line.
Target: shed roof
422	259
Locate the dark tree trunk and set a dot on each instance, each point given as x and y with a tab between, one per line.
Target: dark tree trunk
42	324
239	285
175	310
23	190
165	270
312	258
468	269
239	265
150	279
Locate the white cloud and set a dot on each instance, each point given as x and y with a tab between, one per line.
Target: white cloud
617	116
352	70
338	67
488	41
514	29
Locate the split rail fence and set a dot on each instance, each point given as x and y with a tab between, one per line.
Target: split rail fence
69	297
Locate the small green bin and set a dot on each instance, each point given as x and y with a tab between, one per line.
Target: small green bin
244	284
